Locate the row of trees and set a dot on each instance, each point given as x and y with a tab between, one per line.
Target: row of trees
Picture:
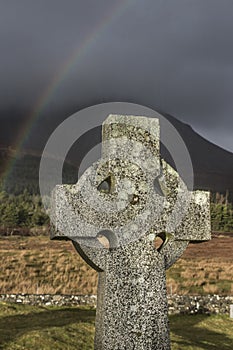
222	212
26	210
222	217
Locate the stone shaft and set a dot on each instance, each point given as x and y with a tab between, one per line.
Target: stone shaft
131	303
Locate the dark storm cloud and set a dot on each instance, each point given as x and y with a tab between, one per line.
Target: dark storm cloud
174	55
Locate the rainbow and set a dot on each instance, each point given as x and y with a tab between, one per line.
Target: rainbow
64	71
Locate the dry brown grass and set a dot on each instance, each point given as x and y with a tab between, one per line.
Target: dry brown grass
204	268
198	276
45	271
38	265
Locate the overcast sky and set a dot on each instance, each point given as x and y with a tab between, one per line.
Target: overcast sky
170	55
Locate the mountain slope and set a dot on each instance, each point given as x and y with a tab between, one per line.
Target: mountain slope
213	166
19	172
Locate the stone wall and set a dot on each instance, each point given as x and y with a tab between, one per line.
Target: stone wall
208	304
49	299
178	304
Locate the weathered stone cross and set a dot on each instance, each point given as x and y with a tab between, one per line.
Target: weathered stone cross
114	214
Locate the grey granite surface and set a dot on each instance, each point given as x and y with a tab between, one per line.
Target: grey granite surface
114	214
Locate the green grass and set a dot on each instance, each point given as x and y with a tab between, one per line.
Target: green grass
43	328
24	327
201	332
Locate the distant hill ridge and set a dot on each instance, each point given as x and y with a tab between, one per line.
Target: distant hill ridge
212	165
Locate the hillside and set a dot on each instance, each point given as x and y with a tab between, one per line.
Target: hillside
21	171
213	166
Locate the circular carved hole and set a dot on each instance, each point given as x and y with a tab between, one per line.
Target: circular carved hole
158	243
107	238
106	185
162	239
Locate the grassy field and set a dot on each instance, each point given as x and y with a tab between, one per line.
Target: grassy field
38	265
71	328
